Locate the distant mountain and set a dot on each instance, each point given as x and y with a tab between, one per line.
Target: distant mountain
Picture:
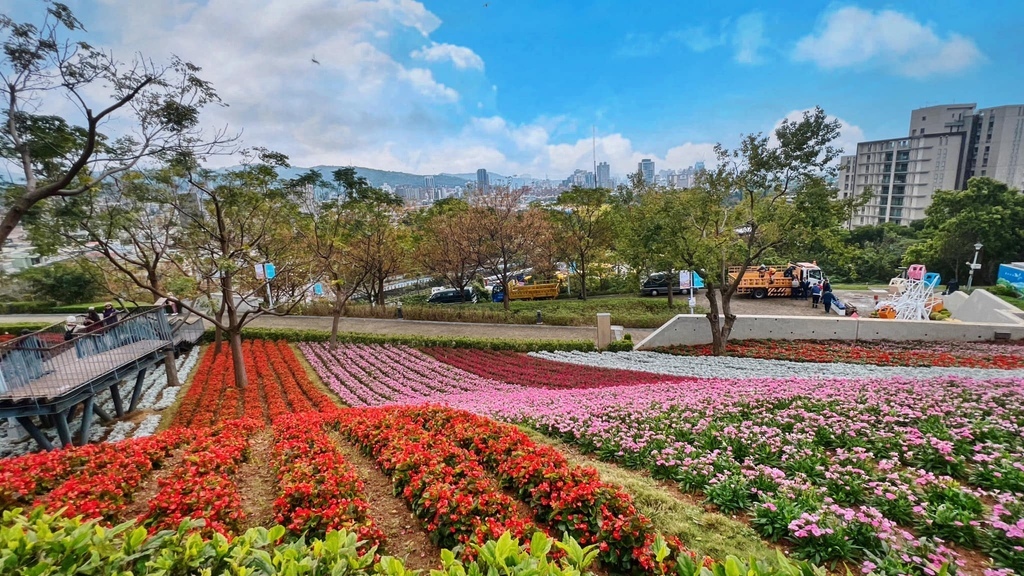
378	178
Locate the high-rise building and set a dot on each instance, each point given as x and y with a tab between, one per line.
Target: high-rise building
482	182
646	167
947	146
698	166
604	175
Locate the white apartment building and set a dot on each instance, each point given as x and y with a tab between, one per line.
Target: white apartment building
947	145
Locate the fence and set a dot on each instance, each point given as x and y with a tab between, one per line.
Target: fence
45	364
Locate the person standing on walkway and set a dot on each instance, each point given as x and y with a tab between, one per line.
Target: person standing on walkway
815	295
109	314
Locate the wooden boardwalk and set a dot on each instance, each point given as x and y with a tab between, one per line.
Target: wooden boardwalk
65	372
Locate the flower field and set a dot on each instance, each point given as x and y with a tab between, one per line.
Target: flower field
885	462
1006	356
524	370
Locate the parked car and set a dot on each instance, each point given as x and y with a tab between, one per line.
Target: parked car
452	296
657	285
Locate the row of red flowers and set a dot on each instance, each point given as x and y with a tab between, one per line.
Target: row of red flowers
318	490
103	487
103	474
201	486
277	385
570	499
443	484
525	370
880	353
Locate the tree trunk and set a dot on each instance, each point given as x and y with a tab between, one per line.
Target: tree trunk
717	344
380	292
583	278
339	306
235	338
218	339
505	295
14	214
730	318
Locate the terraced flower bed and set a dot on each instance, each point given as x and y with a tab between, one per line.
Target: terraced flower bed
1003	356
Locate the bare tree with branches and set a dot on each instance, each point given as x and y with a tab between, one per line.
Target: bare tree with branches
159	106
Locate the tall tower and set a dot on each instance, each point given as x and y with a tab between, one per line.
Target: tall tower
646	167
482	181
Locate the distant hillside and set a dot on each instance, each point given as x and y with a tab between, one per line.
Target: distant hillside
380	177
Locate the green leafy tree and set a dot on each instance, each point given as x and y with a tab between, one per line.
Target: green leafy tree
742	210
644	228
63	283
445	243
62	157
989	212
584	228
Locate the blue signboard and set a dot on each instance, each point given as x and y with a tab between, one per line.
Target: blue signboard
270	271
318	289
1012	276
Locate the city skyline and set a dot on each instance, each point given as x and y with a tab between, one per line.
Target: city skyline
463	91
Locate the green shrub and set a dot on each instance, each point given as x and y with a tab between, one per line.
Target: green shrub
26	307
621	346
293	335
1004	290
16	328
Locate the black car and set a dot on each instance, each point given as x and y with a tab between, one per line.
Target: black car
657	284
452	296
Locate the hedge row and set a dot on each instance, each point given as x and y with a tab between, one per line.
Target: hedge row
26	307
293	335
17	327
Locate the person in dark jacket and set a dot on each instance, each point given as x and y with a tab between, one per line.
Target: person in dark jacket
93	322
109	314
827	299
815	295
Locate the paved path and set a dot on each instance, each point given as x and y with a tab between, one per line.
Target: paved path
406	327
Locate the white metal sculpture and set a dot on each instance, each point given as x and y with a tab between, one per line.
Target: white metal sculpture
915	302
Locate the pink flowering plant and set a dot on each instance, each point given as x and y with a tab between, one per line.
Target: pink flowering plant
1005	534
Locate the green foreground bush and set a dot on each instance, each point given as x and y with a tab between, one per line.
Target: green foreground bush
17	327
26	307
292	335
43	544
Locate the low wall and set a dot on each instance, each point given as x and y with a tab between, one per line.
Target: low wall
687	329
954	301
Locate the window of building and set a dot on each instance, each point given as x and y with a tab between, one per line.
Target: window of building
923	118
898	190
888	156
913	132
901	166
883	201
868	159
895	212
922	131
903	155
887	168
982	172
897	201
900	179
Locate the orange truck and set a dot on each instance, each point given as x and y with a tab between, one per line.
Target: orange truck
775	280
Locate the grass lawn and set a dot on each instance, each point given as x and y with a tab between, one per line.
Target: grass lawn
629	311
837	286
1018	302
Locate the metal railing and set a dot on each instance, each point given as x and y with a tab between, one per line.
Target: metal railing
54	361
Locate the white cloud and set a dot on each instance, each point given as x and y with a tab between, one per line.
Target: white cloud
463	58
423	80
887	39
748	38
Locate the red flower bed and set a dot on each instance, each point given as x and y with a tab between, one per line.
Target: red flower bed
201	486
318	490
278	385
102	487
444	485
525	370
569	498
880	353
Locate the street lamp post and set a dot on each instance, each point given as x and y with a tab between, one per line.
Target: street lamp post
974	265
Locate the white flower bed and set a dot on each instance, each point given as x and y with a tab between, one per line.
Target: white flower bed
156	396
746	368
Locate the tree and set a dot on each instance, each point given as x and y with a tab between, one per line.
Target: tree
988	211
642	227
62	282
58	158
507	235
446	245
584	227
742	210
227	219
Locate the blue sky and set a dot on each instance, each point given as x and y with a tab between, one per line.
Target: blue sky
515	86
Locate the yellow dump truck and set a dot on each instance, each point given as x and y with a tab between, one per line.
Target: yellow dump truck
529	292
775	280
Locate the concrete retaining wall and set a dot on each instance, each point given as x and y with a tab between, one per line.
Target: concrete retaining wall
983	306
954	301
686	329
